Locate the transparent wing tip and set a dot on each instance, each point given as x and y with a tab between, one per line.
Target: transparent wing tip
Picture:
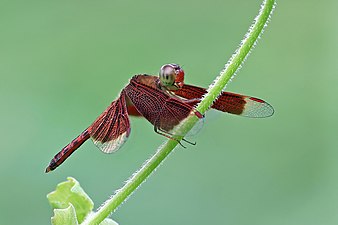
112	145
257	108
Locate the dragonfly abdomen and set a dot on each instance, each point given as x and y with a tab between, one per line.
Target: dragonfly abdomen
60	157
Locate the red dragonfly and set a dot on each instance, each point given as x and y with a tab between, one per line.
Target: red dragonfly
164	101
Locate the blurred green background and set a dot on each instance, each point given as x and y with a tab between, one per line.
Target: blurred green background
62	62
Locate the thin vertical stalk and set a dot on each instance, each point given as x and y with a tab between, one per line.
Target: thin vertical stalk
227	73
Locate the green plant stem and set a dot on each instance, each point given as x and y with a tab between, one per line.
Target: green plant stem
214	90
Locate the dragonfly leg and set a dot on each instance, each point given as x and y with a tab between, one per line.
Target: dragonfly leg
167	135
189	142
170	136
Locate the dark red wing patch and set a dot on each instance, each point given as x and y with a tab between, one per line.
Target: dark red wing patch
190	92
158	107
132	111
230	102
112	128
172	113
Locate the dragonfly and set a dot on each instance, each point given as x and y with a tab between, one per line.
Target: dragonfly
164	100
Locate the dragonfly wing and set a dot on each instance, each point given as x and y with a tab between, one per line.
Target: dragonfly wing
157	106
132	111
243	105
256	108
112	128
172	113
230	102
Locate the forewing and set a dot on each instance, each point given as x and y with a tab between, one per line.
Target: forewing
230	102
158	107
172	113
112	128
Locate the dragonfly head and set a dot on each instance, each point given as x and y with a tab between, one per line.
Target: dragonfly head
171	76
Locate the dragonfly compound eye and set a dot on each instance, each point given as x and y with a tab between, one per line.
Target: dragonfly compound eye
167	75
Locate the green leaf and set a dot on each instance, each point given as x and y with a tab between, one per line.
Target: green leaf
65	216
70	193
